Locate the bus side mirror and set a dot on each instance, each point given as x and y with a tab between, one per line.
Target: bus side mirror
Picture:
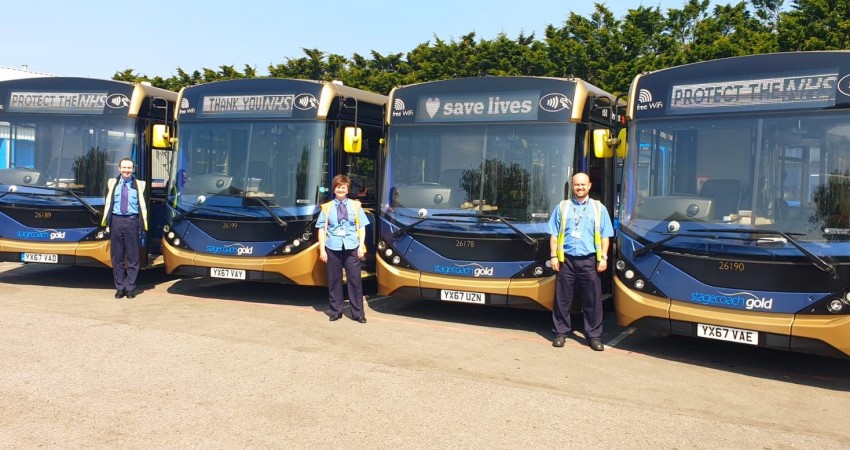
161	136
602	143
352	140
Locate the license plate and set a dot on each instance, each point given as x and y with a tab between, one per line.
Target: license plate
49	258
461	296
232	274
728	334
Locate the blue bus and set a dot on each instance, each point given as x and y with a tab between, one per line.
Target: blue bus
474	168
254	160
61	139
735	221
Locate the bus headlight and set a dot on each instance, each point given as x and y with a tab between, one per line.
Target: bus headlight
835	306
306	236
101	234
382	245
629	274
287	249
396	260
620	264
170	235
176	241
639	284
296	242
538	270
847	299
166	228
388	252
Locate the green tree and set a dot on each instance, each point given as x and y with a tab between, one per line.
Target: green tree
815	25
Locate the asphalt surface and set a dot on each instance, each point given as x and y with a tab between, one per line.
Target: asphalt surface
217	364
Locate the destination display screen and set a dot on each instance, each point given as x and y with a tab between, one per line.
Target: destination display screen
506	106
63	102
785	91
248	104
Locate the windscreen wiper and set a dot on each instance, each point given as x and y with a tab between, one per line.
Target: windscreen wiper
403	230
265	204
91	209
670	236
648	248
526	238
816	260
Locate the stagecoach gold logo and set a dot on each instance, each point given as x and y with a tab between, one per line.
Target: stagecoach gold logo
474	269
41	234
232	249
745	300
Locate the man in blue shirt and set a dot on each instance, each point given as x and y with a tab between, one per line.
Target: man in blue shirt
342	244
126	214
580	231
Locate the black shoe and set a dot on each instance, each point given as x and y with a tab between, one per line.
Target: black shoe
559	341
361	320
131	294
596	344
120	294
335	317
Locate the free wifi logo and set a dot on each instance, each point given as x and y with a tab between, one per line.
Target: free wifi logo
644	96
398	105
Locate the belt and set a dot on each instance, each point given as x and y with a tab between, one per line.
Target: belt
582	257
128	216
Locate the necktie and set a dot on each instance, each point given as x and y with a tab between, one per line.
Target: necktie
341	212
124	198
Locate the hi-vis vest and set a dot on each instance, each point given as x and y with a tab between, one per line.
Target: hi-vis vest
565	208
326	208
110	193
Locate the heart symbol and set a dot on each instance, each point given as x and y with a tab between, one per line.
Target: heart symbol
432	105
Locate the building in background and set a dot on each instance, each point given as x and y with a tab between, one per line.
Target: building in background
10	73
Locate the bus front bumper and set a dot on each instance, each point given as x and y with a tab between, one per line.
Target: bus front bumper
88	253
303	268
532	293
820	335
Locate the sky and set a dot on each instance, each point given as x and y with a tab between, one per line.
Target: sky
97	38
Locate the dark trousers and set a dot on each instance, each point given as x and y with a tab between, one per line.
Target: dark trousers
348	260
578	276
124	248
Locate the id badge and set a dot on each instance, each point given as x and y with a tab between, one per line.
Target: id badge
576	234
340	232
